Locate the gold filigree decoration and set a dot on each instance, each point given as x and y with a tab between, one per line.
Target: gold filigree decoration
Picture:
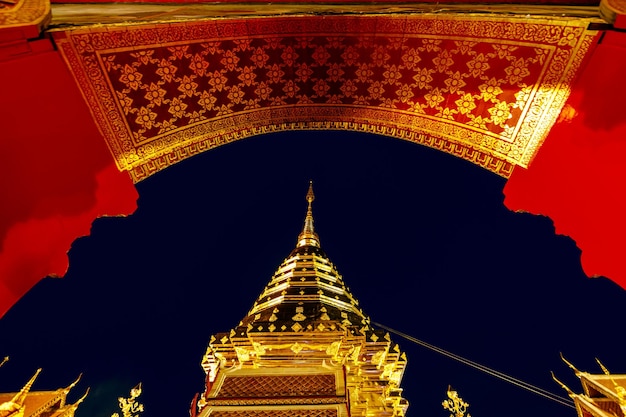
455	404
130	406
484	89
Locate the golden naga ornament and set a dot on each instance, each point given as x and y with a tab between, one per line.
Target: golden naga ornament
130	406
455	404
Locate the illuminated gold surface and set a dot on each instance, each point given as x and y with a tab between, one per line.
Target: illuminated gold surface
305	346
484	88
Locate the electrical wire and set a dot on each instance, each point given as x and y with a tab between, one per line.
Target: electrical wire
517	382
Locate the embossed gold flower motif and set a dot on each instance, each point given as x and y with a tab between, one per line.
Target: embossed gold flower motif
275	74
198	65
504	51
570	36
263	91
522	97
434	98
154	94
478	65
500	113
230	60
289	56
379	56
144	56
187	86
350	55
235	94
290	89
516	71
304	71
392	74
490	90
455	82
465	104
321	88
348	88
335	72
177	107
363	73
431	45
207	100
145	117
131	77
126	102
447	113
179	52
464	47
411	58
218	80
443	61
478	122
321	55
242	44
423	78
166	70
259	57
404	93
376	90
247	76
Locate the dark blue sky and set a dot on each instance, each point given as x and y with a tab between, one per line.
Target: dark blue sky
421	238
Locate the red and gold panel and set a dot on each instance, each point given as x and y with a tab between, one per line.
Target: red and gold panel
278	386
485	89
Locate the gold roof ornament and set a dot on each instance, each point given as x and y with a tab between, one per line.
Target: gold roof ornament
130	407
304	348
455	404
604	395
26	402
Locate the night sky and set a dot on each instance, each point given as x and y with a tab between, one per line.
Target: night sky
421	238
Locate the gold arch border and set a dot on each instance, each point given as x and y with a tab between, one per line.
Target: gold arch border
117	67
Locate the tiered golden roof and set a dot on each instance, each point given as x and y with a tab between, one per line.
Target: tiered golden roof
603	395
305	345
27	403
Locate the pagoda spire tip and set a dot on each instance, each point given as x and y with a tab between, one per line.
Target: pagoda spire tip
308	237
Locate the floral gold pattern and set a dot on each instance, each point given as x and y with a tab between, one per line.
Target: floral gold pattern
485	89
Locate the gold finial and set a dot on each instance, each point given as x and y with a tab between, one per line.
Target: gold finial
5	360
310	196
576	371
73	384
565	387
308	237
455	404
20	397
604	368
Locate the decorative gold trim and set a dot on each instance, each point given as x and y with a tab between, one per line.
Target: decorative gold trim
26	13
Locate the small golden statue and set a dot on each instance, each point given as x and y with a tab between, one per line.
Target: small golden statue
455	404
130	406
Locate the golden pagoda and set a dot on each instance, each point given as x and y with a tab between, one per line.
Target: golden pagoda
305	348
27	403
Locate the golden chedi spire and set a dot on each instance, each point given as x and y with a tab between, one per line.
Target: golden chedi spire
308	237
305	345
